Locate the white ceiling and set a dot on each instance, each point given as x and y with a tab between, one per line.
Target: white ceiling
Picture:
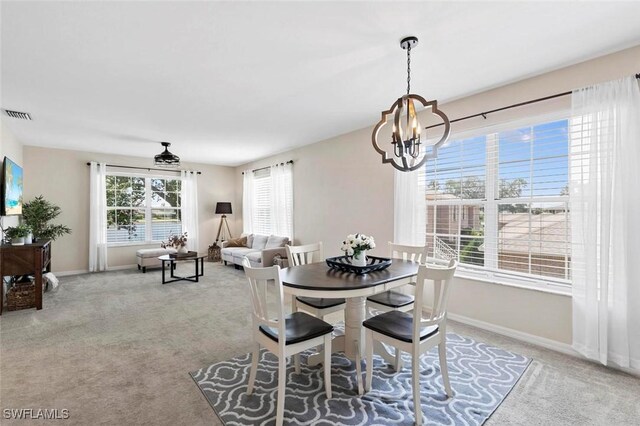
228	83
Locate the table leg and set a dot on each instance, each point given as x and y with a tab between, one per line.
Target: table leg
172	266
197	272
163	279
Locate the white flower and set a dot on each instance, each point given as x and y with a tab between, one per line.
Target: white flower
350	252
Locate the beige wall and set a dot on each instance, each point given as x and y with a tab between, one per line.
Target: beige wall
12	148
62	176
340	187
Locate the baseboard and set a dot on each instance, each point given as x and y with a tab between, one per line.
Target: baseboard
554	345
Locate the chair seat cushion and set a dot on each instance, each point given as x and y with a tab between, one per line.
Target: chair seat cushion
299	327
398	325
392	299
320	302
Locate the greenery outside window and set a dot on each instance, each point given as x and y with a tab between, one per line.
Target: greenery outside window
142	208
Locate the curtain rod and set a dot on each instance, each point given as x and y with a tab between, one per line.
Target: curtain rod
148	168
267	167
484	114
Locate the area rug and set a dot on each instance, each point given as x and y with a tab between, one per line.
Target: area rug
481	377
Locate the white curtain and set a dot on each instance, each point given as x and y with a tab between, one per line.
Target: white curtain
605	222
248	194
410	210
282	200
189	207
98	217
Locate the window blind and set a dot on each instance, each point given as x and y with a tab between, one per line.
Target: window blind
499	202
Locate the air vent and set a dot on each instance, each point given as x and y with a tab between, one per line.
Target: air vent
18	114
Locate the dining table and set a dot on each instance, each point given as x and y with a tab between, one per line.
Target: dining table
319	280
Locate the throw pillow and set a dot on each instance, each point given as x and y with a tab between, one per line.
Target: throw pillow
237	242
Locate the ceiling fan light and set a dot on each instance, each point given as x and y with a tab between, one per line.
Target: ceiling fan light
166	158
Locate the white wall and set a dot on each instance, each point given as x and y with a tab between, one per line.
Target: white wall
62	176
12	148
341	187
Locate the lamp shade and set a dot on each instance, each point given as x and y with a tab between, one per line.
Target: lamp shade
223	208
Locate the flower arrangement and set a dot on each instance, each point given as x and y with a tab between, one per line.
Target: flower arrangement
353	245
175	241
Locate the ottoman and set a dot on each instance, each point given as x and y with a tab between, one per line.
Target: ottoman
149	257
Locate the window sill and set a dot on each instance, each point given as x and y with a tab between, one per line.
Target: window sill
133	244
523	283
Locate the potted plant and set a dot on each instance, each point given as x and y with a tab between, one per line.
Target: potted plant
356	246
18	234
179	242
37	213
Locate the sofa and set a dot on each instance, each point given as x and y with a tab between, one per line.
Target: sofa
261	250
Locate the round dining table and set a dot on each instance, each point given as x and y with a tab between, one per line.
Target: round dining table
319	280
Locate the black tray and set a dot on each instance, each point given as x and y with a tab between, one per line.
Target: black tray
183	255
343	263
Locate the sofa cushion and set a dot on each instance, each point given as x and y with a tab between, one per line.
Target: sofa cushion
237	242
275	241
249	239
259	241
236	251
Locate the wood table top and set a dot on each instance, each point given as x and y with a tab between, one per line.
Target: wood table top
318	276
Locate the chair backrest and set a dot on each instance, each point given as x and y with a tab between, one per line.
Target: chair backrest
259	279
442	277
412	253
303	255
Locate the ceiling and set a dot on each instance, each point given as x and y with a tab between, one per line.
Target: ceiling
229	83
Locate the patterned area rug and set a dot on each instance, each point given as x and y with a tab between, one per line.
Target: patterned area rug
481	377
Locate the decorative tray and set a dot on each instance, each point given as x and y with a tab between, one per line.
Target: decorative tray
343	263
183	255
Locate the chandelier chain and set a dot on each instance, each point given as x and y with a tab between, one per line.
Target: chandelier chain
409	69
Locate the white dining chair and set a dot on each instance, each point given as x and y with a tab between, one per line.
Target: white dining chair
316	306
412	333
393	300
300	330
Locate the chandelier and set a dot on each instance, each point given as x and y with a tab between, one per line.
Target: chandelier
166	158
408	141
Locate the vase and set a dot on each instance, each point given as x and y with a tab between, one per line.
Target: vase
359	258
28	239
18	241
183	250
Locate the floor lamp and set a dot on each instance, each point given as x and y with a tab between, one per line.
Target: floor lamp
224	209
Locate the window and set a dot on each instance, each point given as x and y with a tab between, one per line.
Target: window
268	201
499	202
141	208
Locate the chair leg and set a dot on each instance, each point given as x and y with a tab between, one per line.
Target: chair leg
255	354
294	304
415	382
359	370
398	364
296	363
327	365
444	369
368	340
282	378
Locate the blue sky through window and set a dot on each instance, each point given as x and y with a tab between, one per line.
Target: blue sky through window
537	154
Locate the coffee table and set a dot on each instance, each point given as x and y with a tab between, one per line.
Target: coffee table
197	259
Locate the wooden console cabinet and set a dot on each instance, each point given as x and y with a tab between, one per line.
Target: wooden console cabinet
28	259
